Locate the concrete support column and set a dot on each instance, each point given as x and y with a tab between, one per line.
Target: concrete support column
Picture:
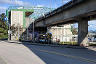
83	32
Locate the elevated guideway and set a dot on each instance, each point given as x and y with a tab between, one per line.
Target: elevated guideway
68	13
74	11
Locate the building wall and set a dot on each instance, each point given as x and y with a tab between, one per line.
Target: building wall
21	22
28	21
61	33
17	21
17	18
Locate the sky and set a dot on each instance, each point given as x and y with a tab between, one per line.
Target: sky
91	25
4	4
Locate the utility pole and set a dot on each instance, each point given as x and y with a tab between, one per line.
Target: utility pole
27	29
18	31
62	1
9	34
33	31
27	33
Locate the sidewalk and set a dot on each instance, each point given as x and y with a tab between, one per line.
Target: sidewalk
2	61
14	53
92	48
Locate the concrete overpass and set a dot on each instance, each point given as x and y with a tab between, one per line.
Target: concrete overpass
74	11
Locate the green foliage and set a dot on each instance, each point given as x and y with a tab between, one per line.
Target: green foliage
3	36
3	27
69	43
2	16
92	44
74	30
3	30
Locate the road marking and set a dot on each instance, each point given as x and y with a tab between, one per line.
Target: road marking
70	56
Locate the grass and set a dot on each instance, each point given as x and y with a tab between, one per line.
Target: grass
92	44
69	43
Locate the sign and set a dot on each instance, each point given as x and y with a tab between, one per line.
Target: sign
9	32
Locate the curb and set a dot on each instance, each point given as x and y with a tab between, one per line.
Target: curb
51	45
56	45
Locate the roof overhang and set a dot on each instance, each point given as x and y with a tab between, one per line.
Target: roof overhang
28	13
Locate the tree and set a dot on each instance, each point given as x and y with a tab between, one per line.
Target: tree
2	16
74	30
3	27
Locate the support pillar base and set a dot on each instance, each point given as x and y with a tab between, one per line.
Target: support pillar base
83	33
84	44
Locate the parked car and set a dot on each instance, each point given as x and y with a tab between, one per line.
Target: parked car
45	38
42	38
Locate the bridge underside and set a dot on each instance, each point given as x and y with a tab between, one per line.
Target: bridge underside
70	15
81	13
41	30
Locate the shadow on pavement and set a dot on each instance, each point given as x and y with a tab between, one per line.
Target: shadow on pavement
47	57
43	52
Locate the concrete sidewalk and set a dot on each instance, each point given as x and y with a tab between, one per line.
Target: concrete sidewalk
92	48
13	53
2	61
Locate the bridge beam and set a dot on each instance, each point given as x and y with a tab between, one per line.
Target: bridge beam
83	32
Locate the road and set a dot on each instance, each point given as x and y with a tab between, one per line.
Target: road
18	53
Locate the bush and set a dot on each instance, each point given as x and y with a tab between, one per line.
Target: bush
92	44
68	43
3	30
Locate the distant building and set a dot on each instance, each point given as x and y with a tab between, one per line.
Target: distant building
92	37
21	18
61	33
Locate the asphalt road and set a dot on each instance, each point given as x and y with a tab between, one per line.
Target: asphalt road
14	53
